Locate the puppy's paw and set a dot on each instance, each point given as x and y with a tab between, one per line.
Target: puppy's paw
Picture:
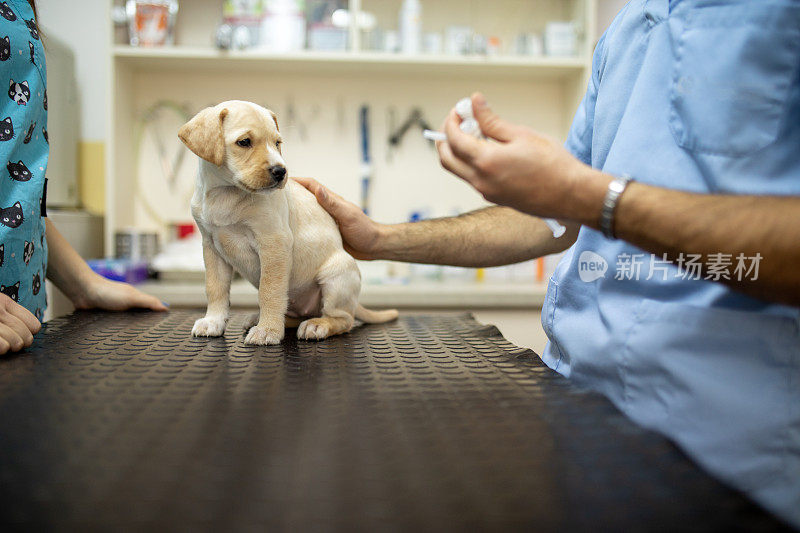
209	327
314	329
264	336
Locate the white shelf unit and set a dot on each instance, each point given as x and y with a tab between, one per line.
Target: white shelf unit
189	58
326	90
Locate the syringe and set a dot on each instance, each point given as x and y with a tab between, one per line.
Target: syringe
434	135
470	126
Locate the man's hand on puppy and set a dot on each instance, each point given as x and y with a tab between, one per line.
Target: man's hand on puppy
17	326
522	169
361	234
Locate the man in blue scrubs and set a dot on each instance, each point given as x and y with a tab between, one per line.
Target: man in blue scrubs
679	297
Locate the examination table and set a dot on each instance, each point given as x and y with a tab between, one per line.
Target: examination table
431	423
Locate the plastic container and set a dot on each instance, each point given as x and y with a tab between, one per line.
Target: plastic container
560	39
151	23
125	270
283	28
241	24
433	43
323	32
458	40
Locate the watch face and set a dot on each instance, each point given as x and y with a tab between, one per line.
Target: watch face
619	184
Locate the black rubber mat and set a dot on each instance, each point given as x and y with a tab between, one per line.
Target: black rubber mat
430	423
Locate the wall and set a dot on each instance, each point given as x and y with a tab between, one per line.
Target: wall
87	31
606	11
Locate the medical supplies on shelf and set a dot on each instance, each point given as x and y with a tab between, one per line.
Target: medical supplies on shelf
241	24
327	21
150	22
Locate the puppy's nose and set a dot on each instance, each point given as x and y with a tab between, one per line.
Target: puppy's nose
278	172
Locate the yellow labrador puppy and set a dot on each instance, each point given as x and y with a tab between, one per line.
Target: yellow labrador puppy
268	228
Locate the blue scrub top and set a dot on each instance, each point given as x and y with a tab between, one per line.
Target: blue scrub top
24	149
700	96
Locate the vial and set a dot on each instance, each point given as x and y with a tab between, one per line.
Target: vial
468	125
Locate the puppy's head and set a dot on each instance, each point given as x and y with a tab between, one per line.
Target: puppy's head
242	137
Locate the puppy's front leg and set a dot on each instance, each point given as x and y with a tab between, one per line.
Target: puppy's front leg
218	289
273	290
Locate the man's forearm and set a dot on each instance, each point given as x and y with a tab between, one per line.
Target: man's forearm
487	237
664	221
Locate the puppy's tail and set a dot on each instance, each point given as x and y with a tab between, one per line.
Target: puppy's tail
375	317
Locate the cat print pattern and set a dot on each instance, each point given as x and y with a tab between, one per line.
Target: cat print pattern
5	48
19	92
11	291
18	171
6	129
12	216
7	12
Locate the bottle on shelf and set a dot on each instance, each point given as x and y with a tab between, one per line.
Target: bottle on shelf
411	27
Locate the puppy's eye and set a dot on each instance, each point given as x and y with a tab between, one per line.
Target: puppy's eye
244	143
278	143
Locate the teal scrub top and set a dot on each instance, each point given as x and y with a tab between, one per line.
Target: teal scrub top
700	96
24	148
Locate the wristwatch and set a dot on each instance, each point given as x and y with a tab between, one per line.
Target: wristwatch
615	190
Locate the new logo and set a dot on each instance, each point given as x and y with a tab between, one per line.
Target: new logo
591	266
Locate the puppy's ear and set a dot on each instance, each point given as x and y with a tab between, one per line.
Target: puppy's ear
203	135
275	118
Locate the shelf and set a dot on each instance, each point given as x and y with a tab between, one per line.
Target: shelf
430	295
179	59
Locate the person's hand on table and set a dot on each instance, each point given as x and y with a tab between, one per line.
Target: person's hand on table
102	293
84	287
359	232
17	326
522	169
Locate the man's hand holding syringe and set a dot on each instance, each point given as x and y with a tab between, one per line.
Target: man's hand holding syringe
470	126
